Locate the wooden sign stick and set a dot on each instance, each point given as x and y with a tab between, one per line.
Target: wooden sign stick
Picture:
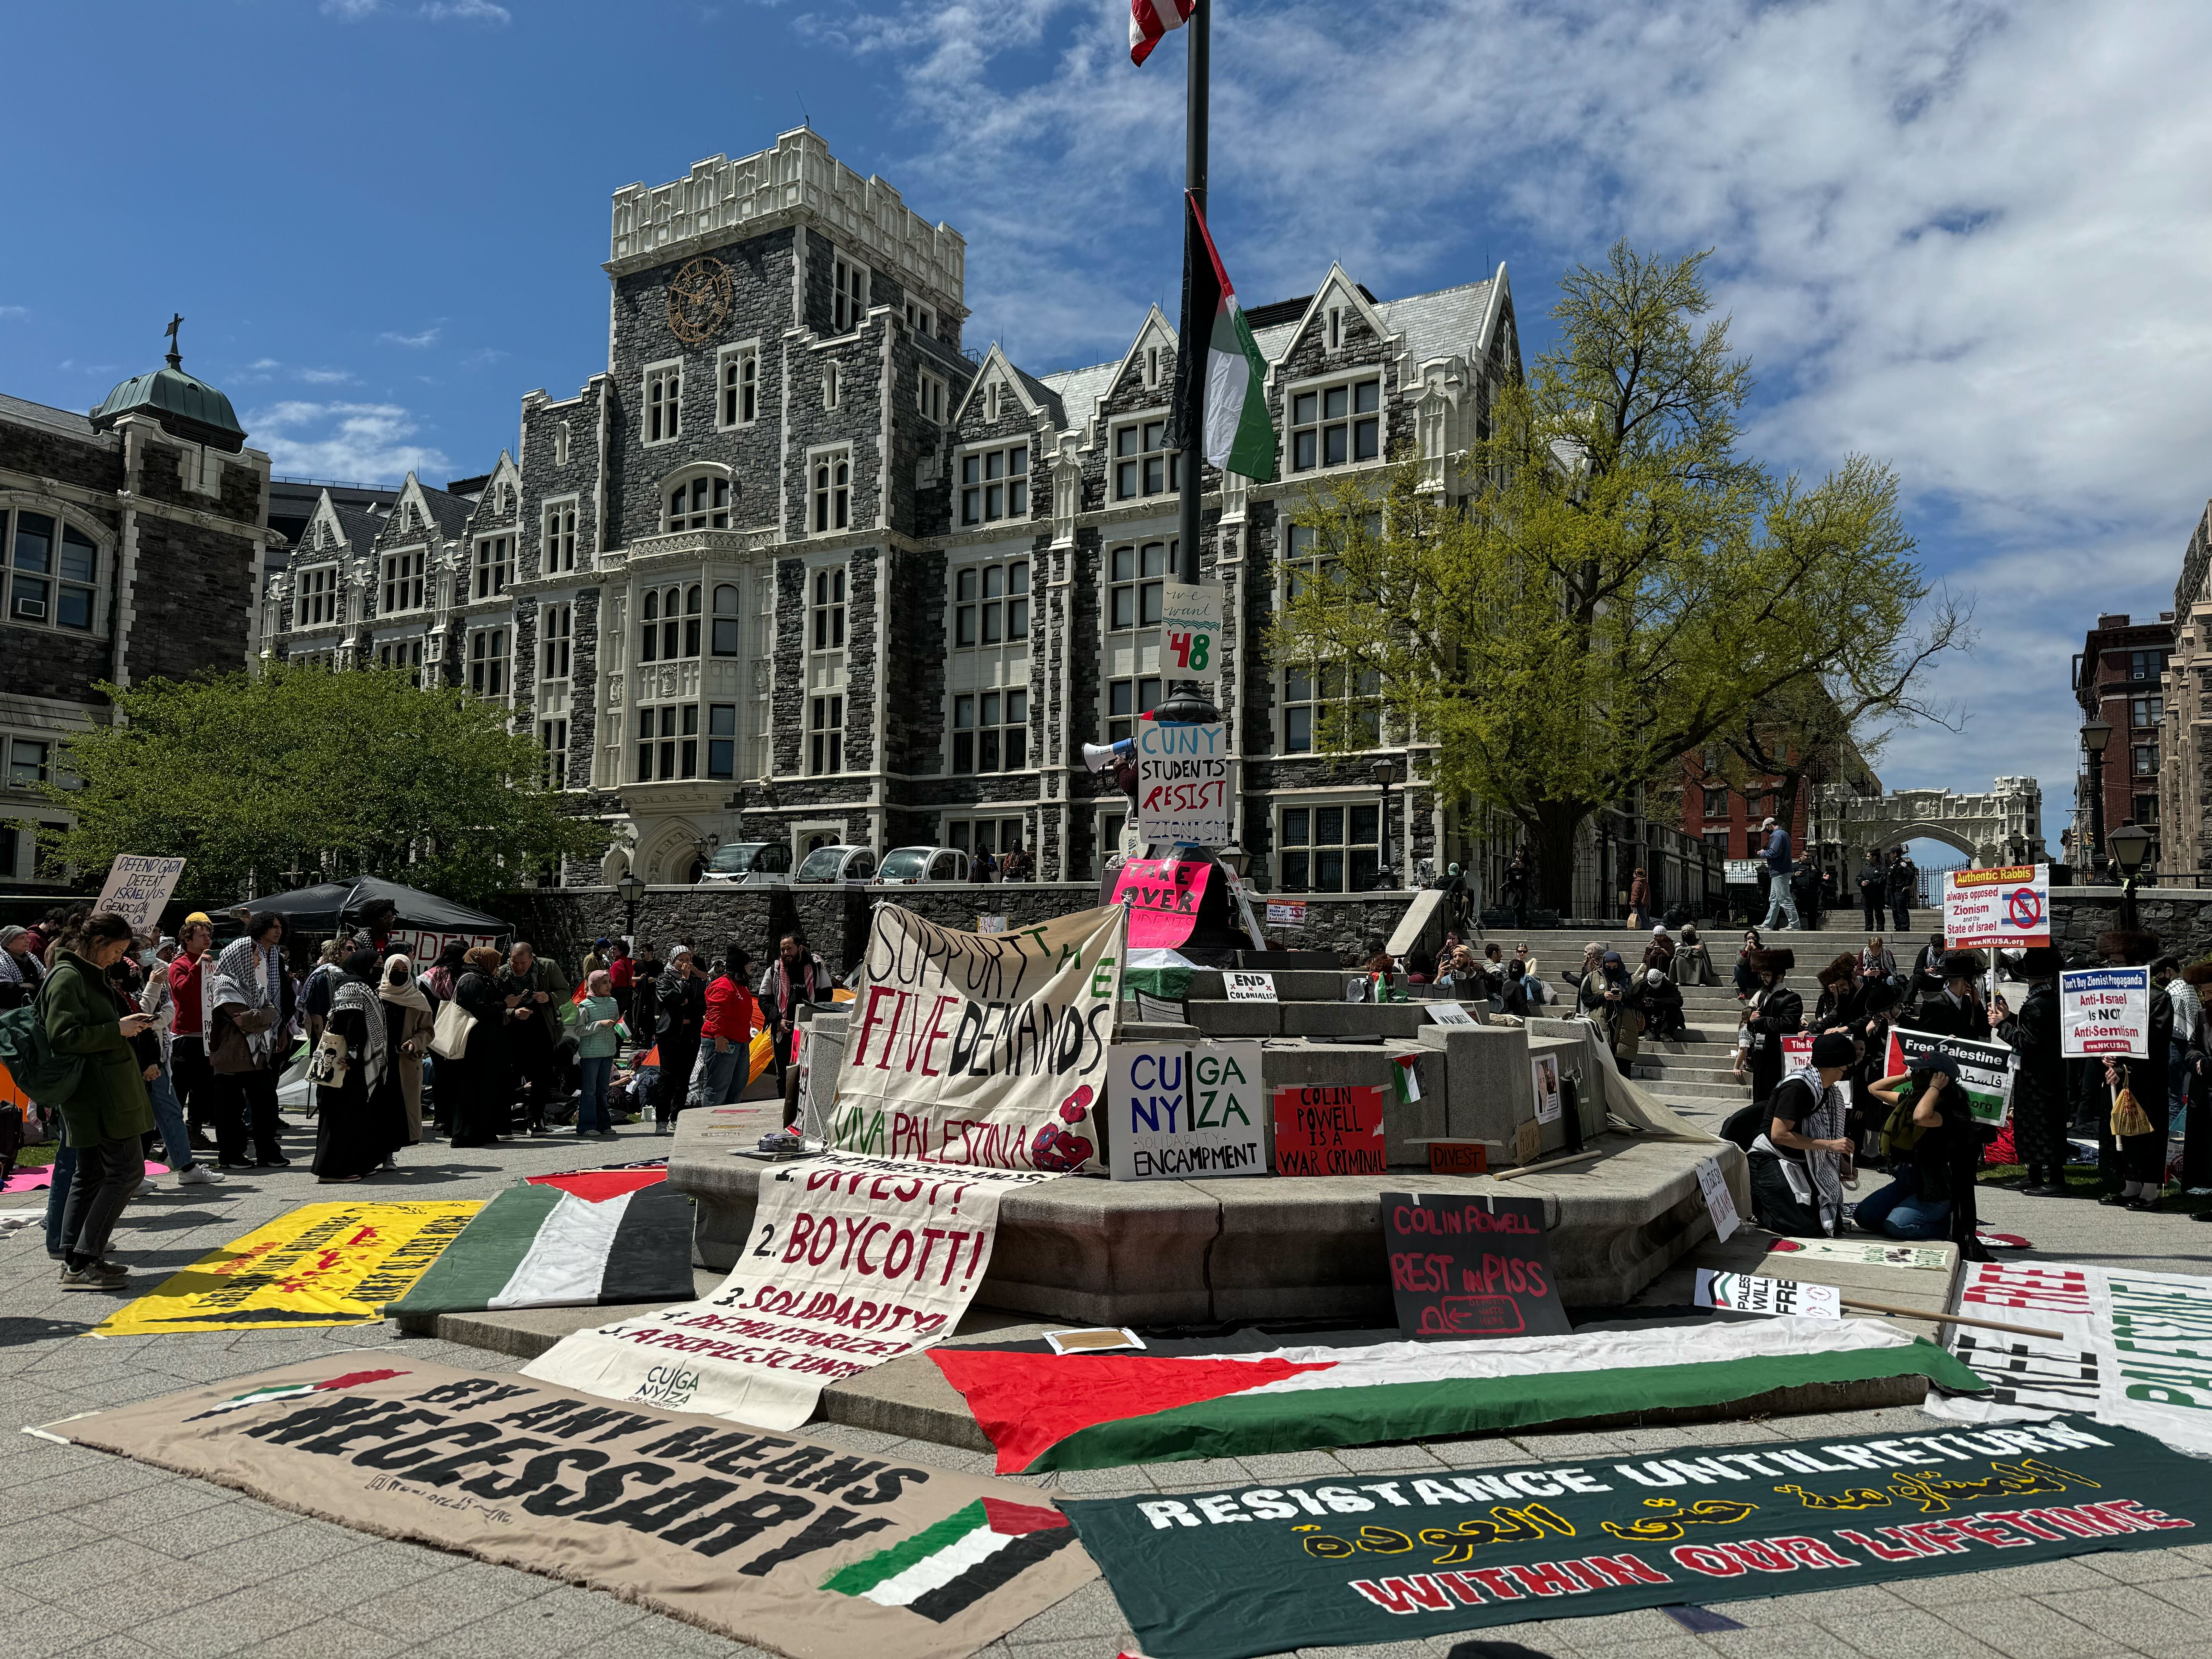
1537	1169
1948	1319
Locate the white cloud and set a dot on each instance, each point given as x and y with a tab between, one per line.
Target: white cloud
326	376
365	443
1965	237
264	362
10	314
427	337
349	11
466	11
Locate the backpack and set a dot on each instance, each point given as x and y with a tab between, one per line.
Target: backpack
47	1076
11	1138
1746	1123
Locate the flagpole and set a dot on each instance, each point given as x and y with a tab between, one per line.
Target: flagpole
1190	696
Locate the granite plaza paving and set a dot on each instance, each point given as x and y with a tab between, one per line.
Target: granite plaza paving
107	1557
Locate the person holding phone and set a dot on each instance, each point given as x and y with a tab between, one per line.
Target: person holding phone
108	1112
598	1035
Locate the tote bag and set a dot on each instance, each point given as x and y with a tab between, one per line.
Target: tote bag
449	1040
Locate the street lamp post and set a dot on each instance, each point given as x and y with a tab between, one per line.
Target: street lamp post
1385	773
2094	736
631	891
2130	845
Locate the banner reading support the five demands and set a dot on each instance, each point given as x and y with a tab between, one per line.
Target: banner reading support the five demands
851	1261
1986	1070
2134	1348
321	1264
1349	1561
803	1549
985	1049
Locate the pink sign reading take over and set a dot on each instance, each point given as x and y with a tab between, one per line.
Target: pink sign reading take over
1163	900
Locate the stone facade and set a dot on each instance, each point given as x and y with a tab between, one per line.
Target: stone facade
782	448
129	549
2003	825
2185	776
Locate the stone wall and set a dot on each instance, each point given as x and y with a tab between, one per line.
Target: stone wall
2181	916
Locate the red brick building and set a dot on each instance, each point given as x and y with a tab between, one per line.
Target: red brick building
2116	680
1726	819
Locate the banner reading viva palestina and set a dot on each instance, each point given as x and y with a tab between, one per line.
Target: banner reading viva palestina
987	1049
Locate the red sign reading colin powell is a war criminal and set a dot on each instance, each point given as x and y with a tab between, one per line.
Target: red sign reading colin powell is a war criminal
1329	1129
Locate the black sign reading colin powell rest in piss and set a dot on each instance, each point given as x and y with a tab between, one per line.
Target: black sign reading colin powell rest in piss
1471	1267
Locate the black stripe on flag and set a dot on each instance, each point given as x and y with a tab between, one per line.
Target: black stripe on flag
651	1258
989	1574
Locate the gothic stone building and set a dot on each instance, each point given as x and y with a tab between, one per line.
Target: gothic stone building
800	567
130	543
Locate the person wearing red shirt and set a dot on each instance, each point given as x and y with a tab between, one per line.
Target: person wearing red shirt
726	1038
622	972
189	986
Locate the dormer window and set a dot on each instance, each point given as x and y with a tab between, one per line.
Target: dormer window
699	503
1336	425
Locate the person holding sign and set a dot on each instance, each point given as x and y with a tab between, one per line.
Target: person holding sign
2135	1162
2040	1112
1928	1127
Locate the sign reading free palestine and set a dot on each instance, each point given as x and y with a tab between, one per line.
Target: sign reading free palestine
1350	1561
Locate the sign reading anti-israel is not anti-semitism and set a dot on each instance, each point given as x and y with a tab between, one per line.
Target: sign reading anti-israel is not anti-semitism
1346	1561
2103	1011
979	1048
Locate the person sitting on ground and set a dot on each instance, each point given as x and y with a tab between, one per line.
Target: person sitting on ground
1607	999
1514	999
1876	962
1926	978
1664	1018
1693	964
1799	1157
1660	953
1928	1121
1747	977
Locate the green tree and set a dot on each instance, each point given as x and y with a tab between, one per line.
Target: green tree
248	776
1624	586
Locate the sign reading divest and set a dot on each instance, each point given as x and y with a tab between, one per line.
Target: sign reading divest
2103	1011
1984	1069
1471	1267
851	1261
138	888
1322	1565
1329	1129
978	1048
1182	782
1176	1111
1163	897
2009	906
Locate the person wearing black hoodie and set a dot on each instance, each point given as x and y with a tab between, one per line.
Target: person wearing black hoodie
1775	1012
2041	1112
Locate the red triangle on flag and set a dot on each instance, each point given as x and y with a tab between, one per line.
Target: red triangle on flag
1015	1519
1027	1402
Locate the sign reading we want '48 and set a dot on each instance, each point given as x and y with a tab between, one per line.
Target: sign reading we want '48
987	1049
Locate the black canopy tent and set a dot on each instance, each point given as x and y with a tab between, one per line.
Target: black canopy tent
317	913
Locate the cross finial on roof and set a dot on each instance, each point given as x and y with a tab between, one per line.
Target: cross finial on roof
176	358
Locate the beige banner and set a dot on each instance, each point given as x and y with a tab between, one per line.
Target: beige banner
799	1548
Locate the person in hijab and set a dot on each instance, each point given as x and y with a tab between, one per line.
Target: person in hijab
477	1091
408	1022
248	1050
1693	964
353	1136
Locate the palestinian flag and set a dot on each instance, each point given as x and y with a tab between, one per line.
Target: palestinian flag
1045	1411
291	1391
947	1567
1405	1078
539	1247
1239	435
1150	20
597	1186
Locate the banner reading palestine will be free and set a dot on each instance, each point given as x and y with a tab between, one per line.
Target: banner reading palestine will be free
1263	1570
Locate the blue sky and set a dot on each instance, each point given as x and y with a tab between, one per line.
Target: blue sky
1968	238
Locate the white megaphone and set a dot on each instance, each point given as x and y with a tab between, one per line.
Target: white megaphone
1100	756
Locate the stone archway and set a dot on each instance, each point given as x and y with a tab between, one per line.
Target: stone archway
666	858
2003	825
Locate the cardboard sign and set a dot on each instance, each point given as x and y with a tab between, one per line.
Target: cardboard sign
1985	1070
1163	897
1182	782
1177	1111
1544	1078
1287	912
1459	1158
1190	630
1329	1129
137	889
1159	1010
1720	1203
990	924
2103	1011
1750	1293
1470	1267
1243	986
1528	1141
1449	1013
1741	873
2010	907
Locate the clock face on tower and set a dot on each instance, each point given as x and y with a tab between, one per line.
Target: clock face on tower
698	301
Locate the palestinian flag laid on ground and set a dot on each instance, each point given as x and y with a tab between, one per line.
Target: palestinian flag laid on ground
964	1557
539	1247
611	1181
1090	1411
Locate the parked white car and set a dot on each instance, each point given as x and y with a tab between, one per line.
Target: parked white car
904	866
828	865
750	864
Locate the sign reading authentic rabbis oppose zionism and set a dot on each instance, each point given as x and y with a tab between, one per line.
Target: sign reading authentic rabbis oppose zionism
987	1049
2008	908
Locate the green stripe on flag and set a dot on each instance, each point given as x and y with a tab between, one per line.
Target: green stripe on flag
863	1575
477	1266
1252	450
1309	1420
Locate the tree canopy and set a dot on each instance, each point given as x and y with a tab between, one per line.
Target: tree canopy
250	777
1624	585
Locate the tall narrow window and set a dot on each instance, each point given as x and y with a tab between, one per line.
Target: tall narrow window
830	610
495	565
561	444
830	387
664	403
721	740
488	662
692	620
555	623
849	278
833	494
826	735
1133	589
553	738
728	618
559	539
931	399
740	388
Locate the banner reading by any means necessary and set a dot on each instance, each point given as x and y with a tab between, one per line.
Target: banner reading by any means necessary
798	1548
852	1261
2010	908
321	1264
987	1049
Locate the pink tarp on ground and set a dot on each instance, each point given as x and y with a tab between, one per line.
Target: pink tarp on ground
38	1181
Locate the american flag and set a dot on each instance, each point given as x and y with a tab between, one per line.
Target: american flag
1149	20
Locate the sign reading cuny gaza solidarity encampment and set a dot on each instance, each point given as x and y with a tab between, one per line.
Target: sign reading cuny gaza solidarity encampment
791	1545
1470	1267
2010	907
979	1048
1351	1561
